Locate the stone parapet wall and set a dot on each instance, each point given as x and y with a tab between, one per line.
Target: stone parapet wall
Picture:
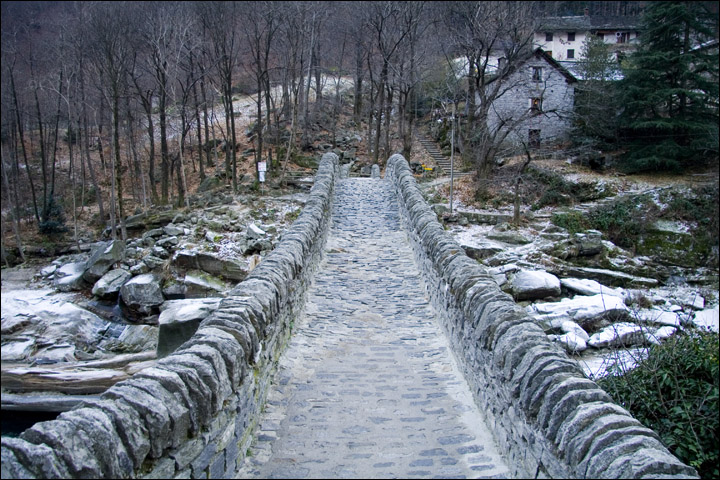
550	420
191	415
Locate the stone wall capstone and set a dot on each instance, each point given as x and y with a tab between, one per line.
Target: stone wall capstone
191	415
550	420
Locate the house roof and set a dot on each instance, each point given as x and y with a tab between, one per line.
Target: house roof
540	53
564	71
589	23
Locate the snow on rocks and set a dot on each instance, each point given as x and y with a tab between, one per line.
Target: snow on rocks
533	285
584	286
573	343
108	286
622	334
662	317
179	321
142	295
707	319
102	258
69	277
660	334
587	311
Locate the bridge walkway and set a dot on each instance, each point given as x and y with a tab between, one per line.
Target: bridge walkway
367	387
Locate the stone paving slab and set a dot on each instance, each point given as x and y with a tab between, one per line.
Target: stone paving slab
367	387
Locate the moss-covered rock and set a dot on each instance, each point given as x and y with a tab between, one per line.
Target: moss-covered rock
668	243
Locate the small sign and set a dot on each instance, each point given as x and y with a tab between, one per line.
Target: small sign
262	166
262	176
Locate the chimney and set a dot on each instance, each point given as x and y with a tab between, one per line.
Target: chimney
587	11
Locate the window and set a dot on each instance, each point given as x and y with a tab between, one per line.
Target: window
571	53
571	36
622	37
534	138
548	37
537	74
536	105
601	36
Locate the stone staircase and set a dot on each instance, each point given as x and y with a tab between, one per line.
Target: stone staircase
441	160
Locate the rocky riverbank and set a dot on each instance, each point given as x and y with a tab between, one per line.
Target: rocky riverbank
603	303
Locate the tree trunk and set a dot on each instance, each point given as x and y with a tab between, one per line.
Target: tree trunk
151	155
201	167
86	148
118	163
388	112
381	107
164	150
233	138
518	180
22	146
139	175
51	199
16	220
209	161
43	160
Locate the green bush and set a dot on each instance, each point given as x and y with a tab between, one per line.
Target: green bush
625	219
700	206
674	391
573	221
53	218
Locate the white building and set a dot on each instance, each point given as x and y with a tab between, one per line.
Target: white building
563	37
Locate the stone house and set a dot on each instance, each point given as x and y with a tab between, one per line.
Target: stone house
537	104
562	37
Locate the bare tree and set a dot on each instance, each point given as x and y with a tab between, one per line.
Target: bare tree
389	33
110	26
492	38
219	20
291	51
260	29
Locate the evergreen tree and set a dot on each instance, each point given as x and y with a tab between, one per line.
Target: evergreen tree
671	89
596	96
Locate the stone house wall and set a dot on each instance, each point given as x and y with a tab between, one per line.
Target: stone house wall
557	94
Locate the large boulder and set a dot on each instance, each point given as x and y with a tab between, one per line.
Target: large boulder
210	263
40	326
571	342
69	277
585	286
142	295
481	249
584	244
508	236
102	258
590	312
108	287
707	319
179	321
132	339
534	285
198	284
621	334
150	219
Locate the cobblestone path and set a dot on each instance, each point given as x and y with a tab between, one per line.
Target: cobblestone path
367	387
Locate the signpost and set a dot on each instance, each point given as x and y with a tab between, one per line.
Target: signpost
452	158
262	168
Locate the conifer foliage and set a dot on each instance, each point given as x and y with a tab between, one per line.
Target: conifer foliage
671	89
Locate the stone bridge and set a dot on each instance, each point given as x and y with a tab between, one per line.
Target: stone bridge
367	344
